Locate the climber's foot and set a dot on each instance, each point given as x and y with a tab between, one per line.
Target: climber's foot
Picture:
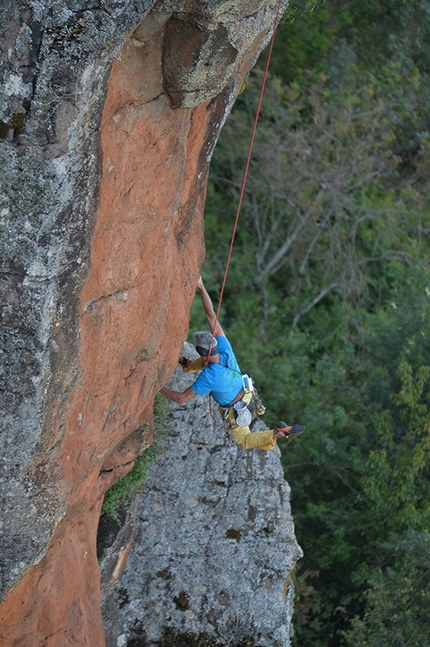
283	430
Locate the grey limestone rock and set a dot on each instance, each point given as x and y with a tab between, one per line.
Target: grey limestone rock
213	546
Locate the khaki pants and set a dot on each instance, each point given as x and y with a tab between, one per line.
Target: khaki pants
247	440
258	439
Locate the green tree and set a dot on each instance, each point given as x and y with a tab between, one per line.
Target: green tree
398	597
362	476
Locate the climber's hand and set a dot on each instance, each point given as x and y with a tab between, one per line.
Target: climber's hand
183	361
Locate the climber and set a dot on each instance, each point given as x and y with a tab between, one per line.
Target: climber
221	377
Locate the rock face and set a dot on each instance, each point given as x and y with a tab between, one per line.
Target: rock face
213	545
109	114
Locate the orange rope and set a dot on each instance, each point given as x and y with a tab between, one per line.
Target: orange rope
245	175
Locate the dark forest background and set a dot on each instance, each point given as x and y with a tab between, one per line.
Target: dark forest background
327	303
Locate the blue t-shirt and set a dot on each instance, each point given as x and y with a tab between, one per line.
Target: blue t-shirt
224	380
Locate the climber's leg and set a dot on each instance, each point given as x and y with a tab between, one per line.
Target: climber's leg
258	440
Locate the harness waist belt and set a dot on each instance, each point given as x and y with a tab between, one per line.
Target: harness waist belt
237	398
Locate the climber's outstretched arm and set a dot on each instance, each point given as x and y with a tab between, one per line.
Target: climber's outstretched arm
209	310
177	396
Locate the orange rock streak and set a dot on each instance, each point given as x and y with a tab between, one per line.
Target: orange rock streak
146	250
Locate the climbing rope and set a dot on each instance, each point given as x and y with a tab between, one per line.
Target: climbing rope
245	175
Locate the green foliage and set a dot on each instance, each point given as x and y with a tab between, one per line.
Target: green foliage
397	601
376	31
126	488
361	474
122	492
324	231
306	34
172	639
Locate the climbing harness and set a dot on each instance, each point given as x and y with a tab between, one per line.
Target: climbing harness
239	412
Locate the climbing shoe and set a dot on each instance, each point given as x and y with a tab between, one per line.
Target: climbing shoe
287	430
